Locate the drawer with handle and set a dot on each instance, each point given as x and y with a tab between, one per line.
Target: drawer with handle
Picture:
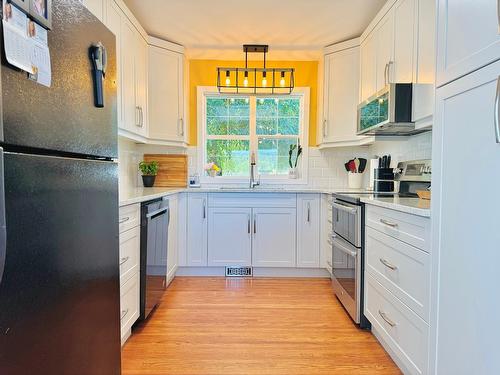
129	304
401	268
404	332
412	229
130	247
129	217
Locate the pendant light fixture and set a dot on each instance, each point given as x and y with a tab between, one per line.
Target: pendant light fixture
275	81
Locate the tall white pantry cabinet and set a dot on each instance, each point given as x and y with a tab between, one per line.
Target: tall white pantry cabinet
465	212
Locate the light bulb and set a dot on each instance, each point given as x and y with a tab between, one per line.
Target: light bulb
282	81
245	81
228	80
264	82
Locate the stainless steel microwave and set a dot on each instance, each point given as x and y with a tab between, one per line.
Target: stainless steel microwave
388	112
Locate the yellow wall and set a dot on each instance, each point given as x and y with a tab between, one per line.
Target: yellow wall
204	73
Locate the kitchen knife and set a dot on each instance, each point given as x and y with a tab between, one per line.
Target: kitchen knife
388	161
356	165
380	162
384	161
362	165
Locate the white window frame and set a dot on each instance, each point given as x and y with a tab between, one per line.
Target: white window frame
211	91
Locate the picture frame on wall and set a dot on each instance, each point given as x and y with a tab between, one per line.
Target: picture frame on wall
41	12
21	4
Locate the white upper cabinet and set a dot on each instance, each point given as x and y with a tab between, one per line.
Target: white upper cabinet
399	47
384	34
96	7
229	236
341	95
405	22
166	94
368	67
308	230
468	37
149	110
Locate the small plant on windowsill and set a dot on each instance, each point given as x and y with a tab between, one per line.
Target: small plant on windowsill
149	170
293	172
212	169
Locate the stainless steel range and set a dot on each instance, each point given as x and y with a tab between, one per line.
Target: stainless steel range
348	234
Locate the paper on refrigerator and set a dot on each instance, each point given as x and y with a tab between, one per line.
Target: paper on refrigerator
26	44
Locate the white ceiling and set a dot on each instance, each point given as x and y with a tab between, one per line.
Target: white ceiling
294	29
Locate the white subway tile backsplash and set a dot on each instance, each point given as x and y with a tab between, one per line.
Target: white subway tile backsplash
326	167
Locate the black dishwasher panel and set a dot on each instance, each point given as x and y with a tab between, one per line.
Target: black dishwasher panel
155	216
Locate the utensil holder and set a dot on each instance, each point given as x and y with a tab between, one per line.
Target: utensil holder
354	180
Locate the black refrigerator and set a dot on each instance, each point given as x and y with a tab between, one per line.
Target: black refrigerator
59	272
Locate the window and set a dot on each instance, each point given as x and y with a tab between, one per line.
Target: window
234	127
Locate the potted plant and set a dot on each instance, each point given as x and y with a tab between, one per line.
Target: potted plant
149	170
293	173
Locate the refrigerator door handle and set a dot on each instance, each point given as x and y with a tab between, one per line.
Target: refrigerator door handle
3	230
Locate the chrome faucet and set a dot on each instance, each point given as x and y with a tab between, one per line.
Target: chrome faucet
253	181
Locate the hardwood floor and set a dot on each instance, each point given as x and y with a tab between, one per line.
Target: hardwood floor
216	326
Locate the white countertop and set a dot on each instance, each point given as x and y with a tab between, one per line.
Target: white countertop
415	206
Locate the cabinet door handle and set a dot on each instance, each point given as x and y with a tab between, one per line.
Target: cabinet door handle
308	212
124	313
255	224
497	109
123	260
142	116
388	223
325	130
204	209
498	15
388	265
181	127
387	320
137	117
125	219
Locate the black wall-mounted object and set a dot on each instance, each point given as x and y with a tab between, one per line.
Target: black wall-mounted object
98	56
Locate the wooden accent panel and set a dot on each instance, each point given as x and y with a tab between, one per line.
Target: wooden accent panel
254	326
173	169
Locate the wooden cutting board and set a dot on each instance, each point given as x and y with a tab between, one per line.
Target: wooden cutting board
173	169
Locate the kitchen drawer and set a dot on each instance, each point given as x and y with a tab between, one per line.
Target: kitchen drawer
412	229
130	248
251	200
401	268
129	217
129	303
401	329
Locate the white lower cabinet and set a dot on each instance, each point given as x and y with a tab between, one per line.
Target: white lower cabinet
397	285
173	246
130	248
229	236
274	231
196	249
406	334
308	230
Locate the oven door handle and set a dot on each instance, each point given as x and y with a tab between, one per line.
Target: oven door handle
344	249
344	208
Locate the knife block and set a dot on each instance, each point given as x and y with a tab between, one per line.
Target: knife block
383	180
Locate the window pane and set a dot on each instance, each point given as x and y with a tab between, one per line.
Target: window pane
278	116
228	116
273	155
231	156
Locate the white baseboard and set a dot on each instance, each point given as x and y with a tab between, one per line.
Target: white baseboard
257	272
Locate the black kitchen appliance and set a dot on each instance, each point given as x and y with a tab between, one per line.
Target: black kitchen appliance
59	287
155	218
